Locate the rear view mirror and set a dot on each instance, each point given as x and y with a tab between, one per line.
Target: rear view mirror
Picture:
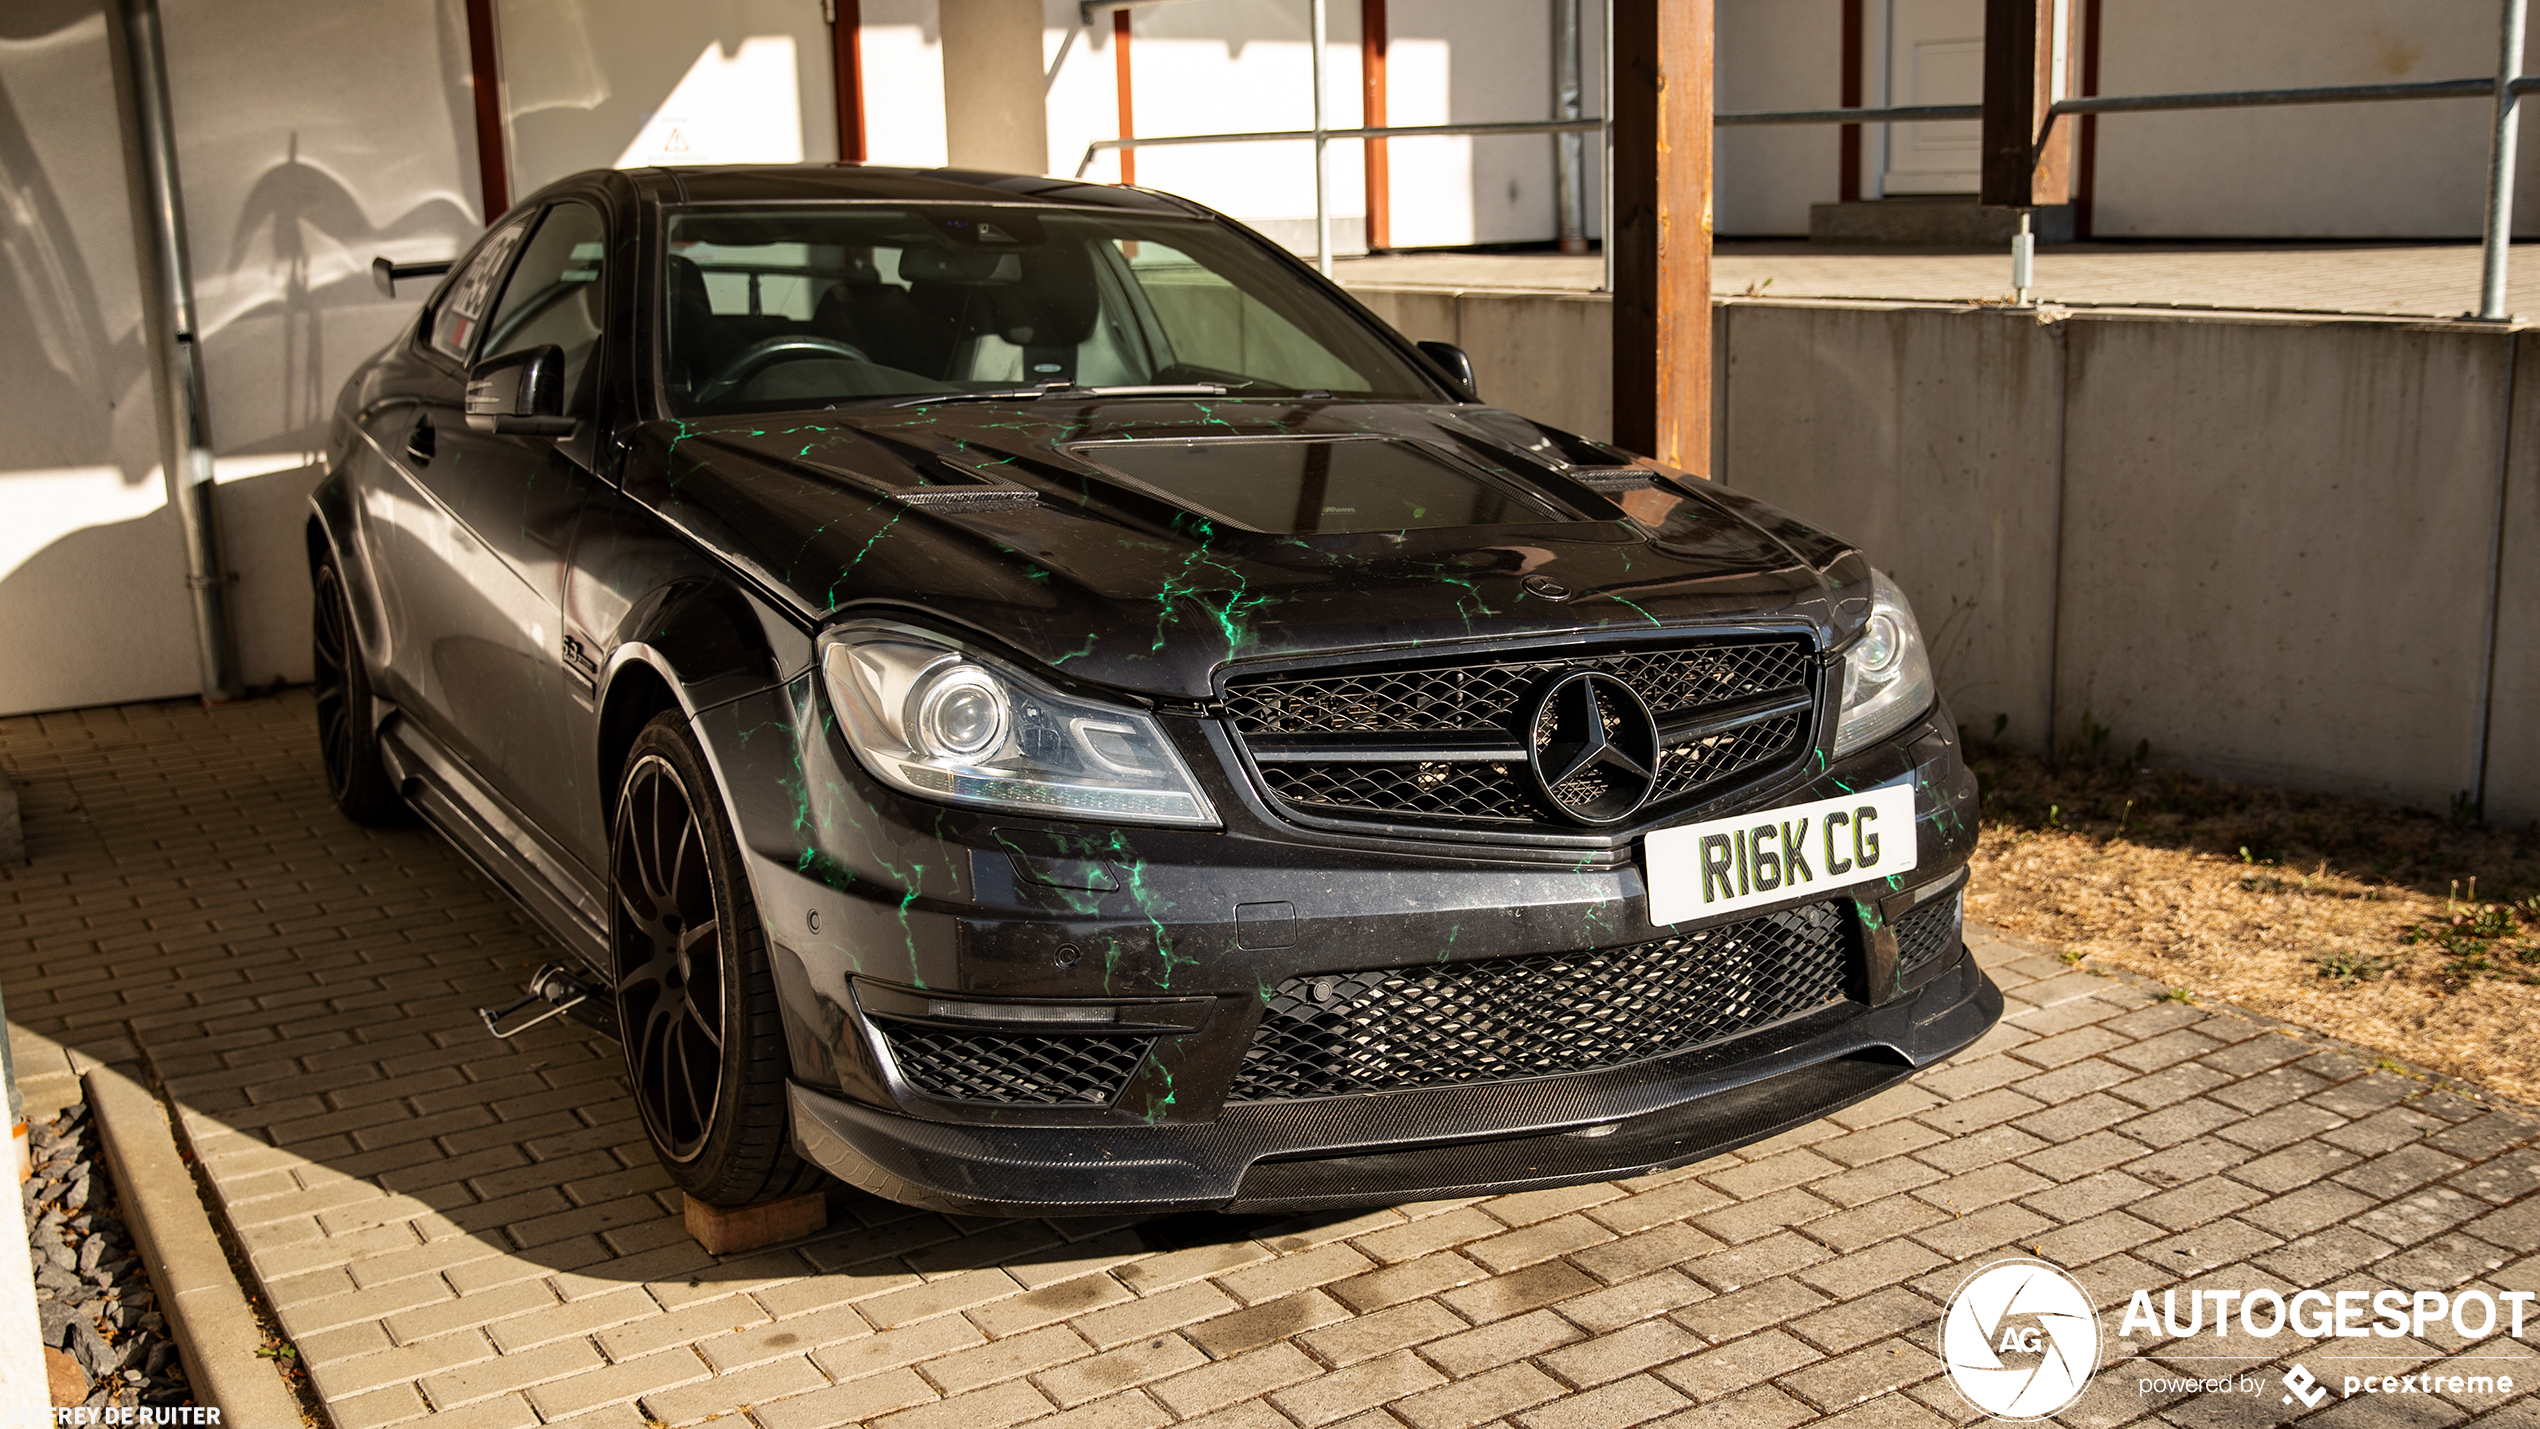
519	394
1452	361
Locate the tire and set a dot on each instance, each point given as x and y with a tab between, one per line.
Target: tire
348	743
696	1006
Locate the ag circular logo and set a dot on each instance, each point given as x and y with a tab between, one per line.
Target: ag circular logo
2020	1339
1593	747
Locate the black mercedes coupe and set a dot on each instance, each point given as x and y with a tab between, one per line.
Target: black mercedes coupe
1026	698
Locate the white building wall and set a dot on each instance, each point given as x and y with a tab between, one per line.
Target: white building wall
309	140
2402	169
1223	66
1775	54
595	84
903	78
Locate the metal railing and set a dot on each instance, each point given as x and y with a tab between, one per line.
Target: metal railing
2506	87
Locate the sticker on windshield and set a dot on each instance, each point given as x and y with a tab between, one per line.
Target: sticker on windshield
1700	870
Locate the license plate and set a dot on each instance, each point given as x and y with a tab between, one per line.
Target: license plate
1775	855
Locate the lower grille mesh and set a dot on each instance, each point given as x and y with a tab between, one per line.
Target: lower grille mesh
1014	1069
1548	1013
1926	935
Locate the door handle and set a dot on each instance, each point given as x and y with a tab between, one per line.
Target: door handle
419	442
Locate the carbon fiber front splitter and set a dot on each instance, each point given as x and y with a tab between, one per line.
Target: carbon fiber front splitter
1425	1144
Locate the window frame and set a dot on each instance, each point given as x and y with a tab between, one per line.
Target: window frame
546	214
525	221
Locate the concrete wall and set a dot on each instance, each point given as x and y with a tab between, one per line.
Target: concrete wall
2513	739
2268	547
1931	438
2275	547
1548	355
2265	546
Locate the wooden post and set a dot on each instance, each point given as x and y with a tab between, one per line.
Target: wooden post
1120	80
1371	68
2027	162
1661	108
1848	139
484	67
846	58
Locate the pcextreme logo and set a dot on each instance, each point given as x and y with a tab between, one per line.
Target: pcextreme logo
2020	1339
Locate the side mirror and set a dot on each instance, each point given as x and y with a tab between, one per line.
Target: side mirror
1452	361
520	394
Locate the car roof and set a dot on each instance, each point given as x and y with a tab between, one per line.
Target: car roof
796	183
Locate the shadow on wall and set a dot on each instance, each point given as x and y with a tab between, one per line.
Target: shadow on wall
100	616
297	274
299	169
68	302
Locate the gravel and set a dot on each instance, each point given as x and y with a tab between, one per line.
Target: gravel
92	1297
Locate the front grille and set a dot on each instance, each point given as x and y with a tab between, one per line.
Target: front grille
1926	935
1320	740
1502	1018
1013	1069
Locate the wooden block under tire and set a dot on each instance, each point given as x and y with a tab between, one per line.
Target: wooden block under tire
742	1228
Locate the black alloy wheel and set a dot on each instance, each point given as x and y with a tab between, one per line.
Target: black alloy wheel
696	1007
347	742
669	960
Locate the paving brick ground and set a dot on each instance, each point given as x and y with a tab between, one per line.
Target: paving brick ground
2384	280
455	1227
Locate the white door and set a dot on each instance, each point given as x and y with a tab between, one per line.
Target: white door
1935	55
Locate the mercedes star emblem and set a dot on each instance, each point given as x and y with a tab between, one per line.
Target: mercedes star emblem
1593	748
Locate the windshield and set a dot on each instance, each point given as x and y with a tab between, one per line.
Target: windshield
808	307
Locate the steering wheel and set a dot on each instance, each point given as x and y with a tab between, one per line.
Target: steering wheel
759	356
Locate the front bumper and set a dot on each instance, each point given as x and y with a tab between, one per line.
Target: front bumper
864	892
1426	1144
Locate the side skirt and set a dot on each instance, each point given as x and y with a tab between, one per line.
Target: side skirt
502	846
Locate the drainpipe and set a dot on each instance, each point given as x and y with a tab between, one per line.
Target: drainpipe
185	443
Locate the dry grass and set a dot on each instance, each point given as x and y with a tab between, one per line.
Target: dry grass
2410	934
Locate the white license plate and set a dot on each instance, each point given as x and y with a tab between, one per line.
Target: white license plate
1775	855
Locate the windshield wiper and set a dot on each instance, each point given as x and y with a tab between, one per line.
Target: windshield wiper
1070	389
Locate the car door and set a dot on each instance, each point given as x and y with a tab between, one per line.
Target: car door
487	541
413	396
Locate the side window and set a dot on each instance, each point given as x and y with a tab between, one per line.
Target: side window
454	324
555	295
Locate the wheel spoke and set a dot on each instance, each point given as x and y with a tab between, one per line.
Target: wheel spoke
638	900
701	1100
712	1032
662	1050
660	869
675	879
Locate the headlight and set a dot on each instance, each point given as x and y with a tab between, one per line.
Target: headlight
935	720
1886	674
